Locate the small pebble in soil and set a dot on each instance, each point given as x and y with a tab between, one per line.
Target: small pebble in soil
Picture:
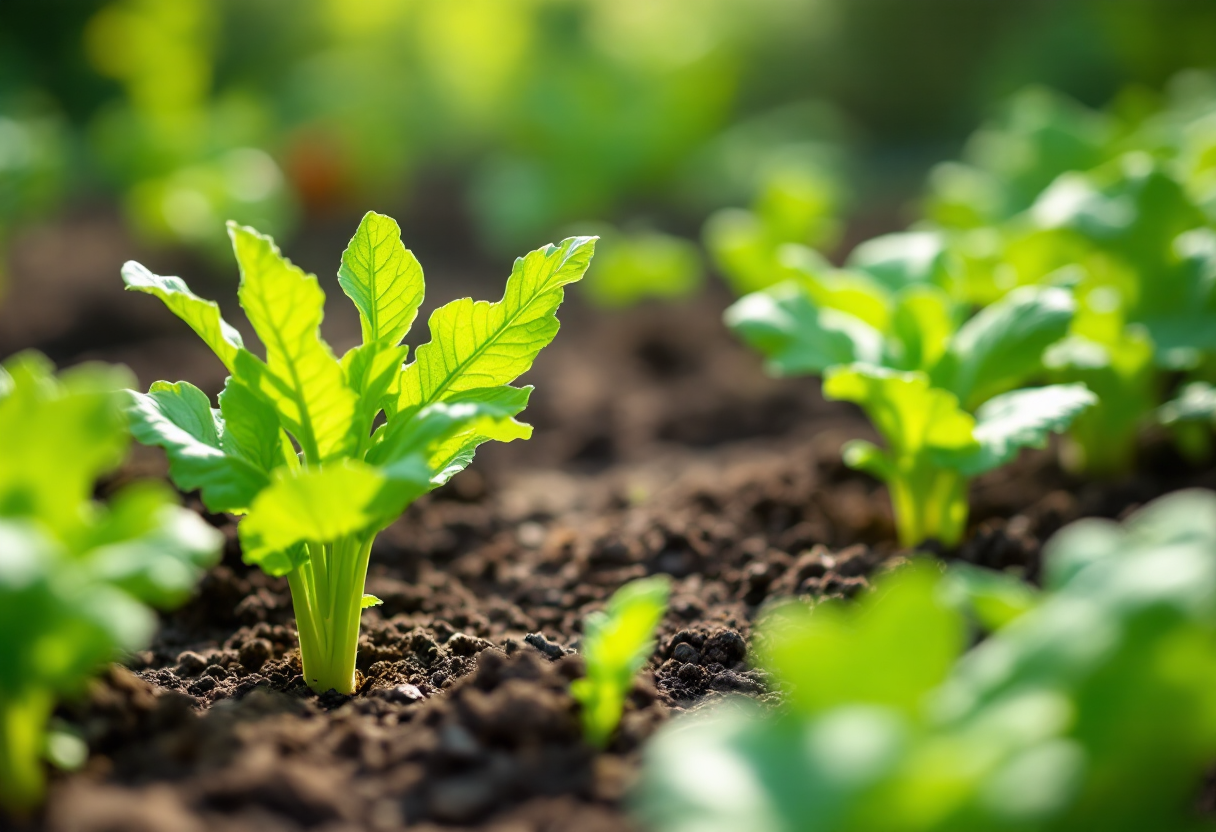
190	664
255	653
550	649
401	694
686	654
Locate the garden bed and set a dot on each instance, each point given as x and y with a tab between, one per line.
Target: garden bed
660	447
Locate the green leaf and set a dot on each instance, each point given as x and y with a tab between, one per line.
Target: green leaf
616	643
921	327
1196	402
151	548
203	316
383	278
495	409
861	455
630	267
373	371
178	417
798	337
1021	419
854	293
891	648
1002	346
57	435
898	260
481	344
742	250
994	599
316	505
370	601
909	413
300	376
425	449
250	427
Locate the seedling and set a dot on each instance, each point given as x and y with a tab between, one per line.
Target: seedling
76	576
632	266
297	446
1088	707
616	643
920	377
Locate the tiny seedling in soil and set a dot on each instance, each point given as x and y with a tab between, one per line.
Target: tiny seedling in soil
76	576
948	399
1088	707
616	643
297	445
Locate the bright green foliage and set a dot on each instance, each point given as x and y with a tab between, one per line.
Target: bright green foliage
76	576
1090	709
794	204
1117	204
902	355
616	644
633	266
294	444
934	446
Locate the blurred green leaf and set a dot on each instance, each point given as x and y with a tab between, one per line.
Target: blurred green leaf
616	644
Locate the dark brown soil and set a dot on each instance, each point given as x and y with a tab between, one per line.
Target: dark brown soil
659	447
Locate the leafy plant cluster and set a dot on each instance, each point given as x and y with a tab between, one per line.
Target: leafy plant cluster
319	454
1071	247
78	577
1087	707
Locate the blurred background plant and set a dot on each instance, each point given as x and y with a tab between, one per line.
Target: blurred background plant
1085	707
506	120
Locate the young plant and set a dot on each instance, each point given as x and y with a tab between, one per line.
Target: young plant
76	576
920	377
616	643
297	446
1088	707
934	447
632	266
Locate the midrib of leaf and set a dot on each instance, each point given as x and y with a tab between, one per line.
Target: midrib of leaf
479	351
375	291
311	450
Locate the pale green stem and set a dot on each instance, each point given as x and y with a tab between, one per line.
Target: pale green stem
327	594
23	721
930	503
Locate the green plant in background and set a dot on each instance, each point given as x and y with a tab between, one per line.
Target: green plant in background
1090	708
77	576
296	445
632	266
1114	204
934	447
32	168
796	202
616	644
949	400
1190	416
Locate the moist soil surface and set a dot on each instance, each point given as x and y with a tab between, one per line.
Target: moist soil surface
660	447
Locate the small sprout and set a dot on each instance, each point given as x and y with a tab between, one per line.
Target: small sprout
78	578
616	644
297	445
